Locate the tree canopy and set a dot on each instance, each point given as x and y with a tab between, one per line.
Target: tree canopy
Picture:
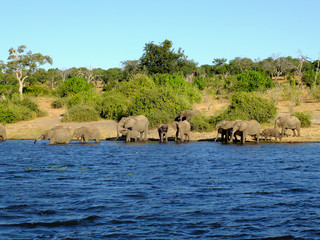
162	58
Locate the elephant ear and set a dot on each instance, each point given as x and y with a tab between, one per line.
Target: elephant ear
130	123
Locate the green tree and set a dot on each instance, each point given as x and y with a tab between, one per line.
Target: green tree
162	58
24	64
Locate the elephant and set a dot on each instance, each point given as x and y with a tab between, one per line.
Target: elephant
288	122
139	123
3	133
187	115
132	134
56	135
163	131
246	128
87	133
271	132
225	129
183	128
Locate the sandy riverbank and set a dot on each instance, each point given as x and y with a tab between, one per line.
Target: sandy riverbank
32	129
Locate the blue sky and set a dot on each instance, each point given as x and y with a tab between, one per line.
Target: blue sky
103	33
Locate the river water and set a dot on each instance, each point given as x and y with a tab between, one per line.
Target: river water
197	190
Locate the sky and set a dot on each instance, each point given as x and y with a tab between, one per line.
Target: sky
104	33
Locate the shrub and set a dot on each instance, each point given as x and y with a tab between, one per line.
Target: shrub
131	87
81	113
8	90
250	81
177	83
309	78
85	97
315	92
114	105
160	105
247	106
58	103
36	90
291	93
304	117
201	123
72	86
19	110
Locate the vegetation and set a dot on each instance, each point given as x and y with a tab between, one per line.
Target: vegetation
247	106
16	109
160	84
304	117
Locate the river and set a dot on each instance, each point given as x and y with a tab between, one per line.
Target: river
197	190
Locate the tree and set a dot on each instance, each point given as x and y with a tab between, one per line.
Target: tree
24	65
162	58
220	66
238	65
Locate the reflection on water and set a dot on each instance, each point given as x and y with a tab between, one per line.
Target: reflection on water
159	191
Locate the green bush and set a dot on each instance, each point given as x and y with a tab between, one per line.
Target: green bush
131	87
159	105
58	103
81	113
247	106
114	105
291	93
250	81
19	110
178	84
72	86
89	97
8	90
304	117
36	90
315	92
309	78
201	123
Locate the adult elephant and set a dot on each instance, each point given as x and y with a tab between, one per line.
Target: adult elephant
225	129
138	123
183	128
288	122
56	135
3	133
87	133
246	128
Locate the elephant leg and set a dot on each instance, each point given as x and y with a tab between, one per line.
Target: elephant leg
176	136
51	141
298	130
294	132
243	137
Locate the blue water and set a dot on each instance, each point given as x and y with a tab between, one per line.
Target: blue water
198	190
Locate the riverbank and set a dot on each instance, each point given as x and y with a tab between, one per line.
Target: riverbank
32	129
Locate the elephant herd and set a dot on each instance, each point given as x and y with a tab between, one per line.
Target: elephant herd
229	130
136	128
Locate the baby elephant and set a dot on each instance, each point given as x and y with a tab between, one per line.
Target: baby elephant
163	130
132	135
271	132
87	133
